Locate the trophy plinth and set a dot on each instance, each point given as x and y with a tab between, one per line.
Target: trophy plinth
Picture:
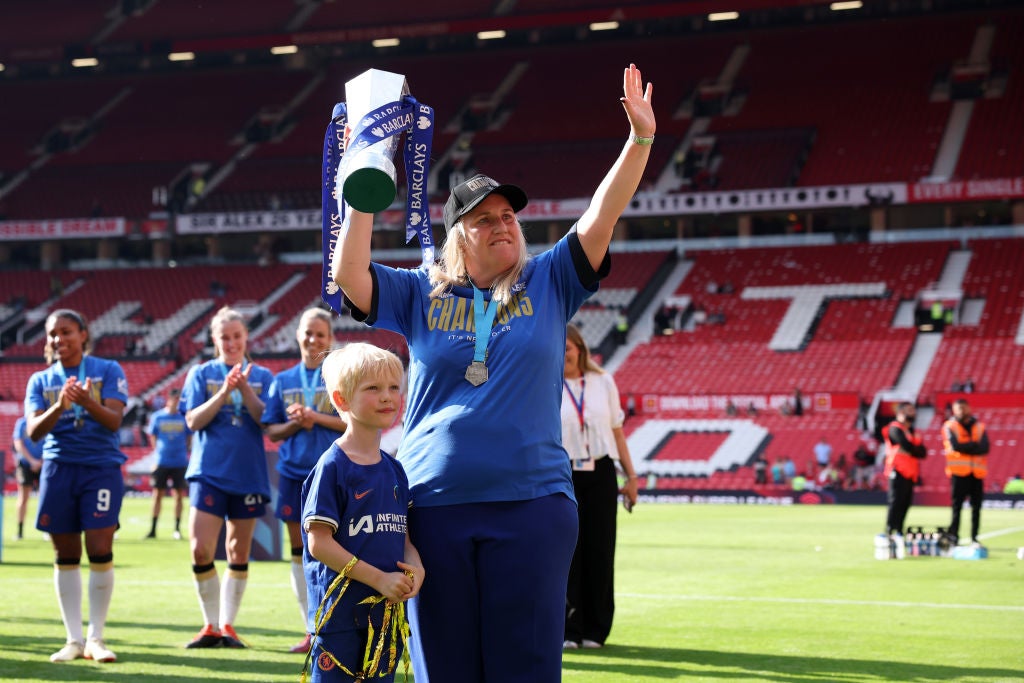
368	178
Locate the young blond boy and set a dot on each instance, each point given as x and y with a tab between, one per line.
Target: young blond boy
359	563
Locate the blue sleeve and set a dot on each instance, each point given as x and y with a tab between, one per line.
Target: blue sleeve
266	378
20	427
193	393
396	298
321	503
151	423
115	384
572	272
34	399
273	411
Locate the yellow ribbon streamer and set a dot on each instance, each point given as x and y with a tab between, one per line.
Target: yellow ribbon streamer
394	631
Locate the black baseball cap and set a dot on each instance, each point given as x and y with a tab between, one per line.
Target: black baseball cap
467	195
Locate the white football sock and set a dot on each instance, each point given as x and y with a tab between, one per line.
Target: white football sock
231	595
101	590
299	586
209	599
68	583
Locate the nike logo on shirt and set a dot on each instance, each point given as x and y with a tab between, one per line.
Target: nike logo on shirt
360	496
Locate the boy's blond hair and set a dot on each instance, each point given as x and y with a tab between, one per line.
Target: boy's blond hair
345	368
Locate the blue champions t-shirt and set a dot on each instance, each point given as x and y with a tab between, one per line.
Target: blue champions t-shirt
34	448
91	443
298	453
227	456
502	440
171	435
366	505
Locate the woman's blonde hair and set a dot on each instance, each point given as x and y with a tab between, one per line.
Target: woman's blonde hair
73	316
450	269
226	315
345	368
585	361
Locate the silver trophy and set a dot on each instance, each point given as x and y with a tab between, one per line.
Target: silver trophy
366	176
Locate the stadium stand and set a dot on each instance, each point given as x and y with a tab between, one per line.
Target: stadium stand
805	101
988	352
987	152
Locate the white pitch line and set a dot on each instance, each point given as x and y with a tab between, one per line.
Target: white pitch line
824	601
1001	532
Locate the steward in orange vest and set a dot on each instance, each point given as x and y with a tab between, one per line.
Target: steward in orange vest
966	444
904	451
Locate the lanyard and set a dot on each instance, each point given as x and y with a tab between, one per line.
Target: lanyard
309	385
58	368
236	395
578	405
483	319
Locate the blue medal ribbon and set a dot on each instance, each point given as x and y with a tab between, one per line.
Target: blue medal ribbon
394	118
236	394
58	368
483	319
310	386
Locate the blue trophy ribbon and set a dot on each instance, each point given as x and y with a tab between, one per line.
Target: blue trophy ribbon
405	116
333	208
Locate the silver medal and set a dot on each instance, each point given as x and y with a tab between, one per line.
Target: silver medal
476	373
236	421
79	423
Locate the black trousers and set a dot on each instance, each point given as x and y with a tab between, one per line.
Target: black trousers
964	488
590	598
901	495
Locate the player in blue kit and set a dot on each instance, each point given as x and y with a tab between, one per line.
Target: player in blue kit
29	456
173	439
495	519
77	404
223	401
360	564
300	416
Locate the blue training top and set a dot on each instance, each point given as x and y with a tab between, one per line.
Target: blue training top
91	443
502	440
34	448
366	505
227	456
171	434
297	454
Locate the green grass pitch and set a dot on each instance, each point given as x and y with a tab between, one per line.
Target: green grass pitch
703	592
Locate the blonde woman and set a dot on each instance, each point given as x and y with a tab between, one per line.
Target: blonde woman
494	516
299	416
592	434
223	401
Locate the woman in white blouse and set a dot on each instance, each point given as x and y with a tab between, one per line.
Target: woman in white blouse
592	435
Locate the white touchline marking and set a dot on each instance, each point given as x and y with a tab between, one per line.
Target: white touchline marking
824	601
1001	532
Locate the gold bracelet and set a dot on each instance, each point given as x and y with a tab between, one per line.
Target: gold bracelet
642	141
